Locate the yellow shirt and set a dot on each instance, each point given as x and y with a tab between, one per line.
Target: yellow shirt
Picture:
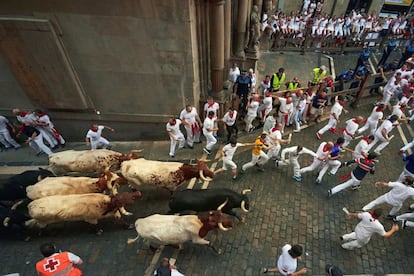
258	145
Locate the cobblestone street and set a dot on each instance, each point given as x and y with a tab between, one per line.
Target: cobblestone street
282	211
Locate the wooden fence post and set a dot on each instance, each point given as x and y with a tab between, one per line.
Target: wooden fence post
361	90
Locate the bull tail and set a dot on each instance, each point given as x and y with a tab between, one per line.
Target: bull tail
133	240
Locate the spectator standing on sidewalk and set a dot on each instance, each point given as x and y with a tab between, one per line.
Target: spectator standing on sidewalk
277	79
241	91
234	72
5	137
288	261
368	226
252	107
391	45
317	75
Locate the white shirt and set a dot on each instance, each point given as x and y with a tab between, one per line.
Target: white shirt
286	264
301	104
387	125
229	150
285	107
292	152
361	147
399	193
3	122
396	110
375	115
208	123
45	119
252	109
233	74
337	109
189	117
320	153
391	87
367	227
270	123
230	121
94	136
268	102
174	129
215	107
351	127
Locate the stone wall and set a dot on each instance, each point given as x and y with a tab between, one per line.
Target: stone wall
137	62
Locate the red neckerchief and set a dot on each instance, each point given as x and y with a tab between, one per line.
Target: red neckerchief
210	105
275	128
266	81
365	139
373	215
94	130
41	114
379	109
231	114
342	104
325	148
23	114
355	121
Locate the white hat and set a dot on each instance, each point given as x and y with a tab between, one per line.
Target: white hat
323	67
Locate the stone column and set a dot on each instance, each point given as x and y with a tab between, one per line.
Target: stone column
259	4
241	27
217	48
227	30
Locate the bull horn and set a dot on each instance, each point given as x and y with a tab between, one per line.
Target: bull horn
136	150
222	205
222	228
14	206
125	212
246	191
6	221
243	206
203	177
204	160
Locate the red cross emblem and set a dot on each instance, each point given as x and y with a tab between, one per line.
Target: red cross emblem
51	265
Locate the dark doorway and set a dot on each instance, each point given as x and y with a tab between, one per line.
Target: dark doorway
362	5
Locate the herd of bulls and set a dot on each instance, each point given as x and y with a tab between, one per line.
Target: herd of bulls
49	196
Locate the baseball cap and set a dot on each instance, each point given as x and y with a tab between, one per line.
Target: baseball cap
333	270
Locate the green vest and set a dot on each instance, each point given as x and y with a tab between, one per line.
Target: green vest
292	85
317	77
277	82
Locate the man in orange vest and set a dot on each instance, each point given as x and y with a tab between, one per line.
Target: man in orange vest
56	263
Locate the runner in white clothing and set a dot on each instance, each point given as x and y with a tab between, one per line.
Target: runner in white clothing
322	154
373	119
381	135
94	137
336	111
192	124
368	226
5	137
351	126
227	154
213	106
175	134
208	130
399	193
361	149
291	155
252	107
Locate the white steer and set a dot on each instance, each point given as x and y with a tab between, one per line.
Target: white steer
84	207
163	174
173	229
87	161
66	185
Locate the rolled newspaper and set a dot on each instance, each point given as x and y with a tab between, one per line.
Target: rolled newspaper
290	138
345	210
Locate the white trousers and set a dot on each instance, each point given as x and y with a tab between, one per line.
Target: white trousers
331	124
380	200
378	138
173	143
248	120
47	136
101	140
405	217
334	164
210	140
193	135
260	159
274	152
351	182
370	124
315	164
38	145
353	241
405	173
294	162
7	140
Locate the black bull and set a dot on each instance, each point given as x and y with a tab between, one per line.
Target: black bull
15	187
209	199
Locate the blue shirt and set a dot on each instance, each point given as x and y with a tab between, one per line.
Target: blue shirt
335	150
364	166
410	164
